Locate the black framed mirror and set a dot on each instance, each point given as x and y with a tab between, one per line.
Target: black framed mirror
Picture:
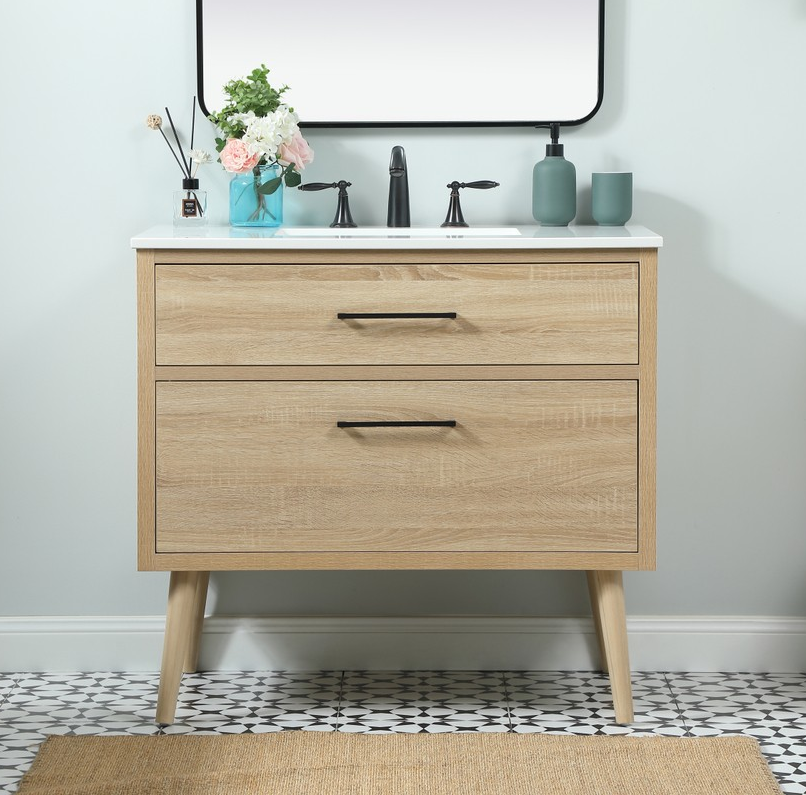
361	63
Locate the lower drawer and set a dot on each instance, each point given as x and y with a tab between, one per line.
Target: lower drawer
264	467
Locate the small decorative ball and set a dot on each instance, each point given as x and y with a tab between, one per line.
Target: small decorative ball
154	121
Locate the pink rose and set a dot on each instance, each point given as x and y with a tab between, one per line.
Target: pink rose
296	151
236	157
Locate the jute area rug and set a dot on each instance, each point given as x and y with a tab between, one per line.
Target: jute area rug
332	763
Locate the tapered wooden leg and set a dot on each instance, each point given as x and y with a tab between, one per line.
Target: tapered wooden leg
199	601
178	630
597	619
608	593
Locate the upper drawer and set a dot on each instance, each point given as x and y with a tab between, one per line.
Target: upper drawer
578	313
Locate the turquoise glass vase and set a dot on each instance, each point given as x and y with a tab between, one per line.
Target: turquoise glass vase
249	205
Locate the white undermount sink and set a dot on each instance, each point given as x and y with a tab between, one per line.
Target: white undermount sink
410	231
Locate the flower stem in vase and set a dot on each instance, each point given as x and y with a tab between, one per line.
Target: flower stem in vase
258	213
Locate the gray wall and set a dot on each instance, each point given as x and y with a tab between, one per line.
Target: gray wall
703	101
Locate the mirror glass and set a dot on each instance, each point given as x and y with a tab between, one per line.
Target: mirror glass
364	63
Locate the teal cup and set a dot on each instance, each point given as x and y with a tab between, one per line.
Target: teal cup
611	197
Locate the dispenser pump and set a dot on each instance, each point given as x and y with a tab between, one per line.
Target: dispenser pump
554	149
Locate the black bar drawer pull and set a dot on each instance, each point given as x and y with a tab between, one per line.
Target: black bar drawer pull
393	315
398	424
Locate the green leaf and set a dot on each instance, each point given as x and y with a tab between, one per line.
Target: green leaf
267	188
292	178
252	93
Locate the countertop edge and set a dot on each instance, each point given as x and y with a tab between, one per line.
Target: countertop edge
531	238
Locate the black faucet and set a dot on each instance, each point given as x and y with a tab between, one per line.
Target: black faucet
344	218
455	217
399	211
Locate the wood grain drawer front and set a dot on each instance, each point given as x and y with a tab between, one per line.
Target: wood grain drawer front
530	465
577	313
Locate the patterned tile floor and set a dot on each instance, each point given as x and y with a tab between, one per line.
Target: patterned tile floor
769	707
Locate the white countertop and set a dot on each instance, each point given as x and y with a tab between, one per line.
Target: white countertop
523	237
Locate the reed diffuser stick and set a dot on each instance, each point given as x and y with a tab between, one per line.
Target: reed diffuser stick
192	127
185	168
176	157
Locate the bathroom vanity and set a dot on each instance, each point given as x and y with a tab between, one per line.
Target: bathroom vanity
396	399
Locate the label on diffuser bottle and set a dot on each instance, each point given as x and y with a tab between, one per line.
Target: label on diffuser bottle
190	208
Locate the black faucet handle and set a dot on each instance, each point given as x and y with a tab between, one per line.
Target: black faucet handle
455	217
344	218
323	185
483	184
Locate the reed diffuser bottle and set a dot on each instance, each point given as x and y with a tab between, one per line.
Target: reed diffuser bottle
190	204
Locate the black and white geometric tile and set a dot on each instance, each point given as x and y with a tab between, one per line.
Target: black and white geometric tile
6	684
769	707
579	702
423	701
219	703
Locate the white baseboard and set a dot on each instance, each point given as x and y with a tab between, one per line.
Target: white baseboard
134	643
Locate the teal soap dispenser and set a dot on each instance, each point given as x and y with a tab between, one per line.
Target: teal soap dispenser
554	185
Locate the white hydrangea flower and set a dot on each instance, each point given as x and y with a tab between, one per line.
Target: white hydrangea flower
244	118
265	134
287	122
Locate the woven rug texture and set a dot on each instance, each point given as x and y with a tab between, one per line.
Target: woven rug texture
333	763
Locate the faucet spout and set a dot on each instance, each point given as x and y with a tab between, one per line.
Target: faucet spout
398	213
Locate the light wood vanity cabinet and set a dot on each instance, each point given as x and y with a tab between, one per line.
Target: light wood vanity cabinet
290	418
